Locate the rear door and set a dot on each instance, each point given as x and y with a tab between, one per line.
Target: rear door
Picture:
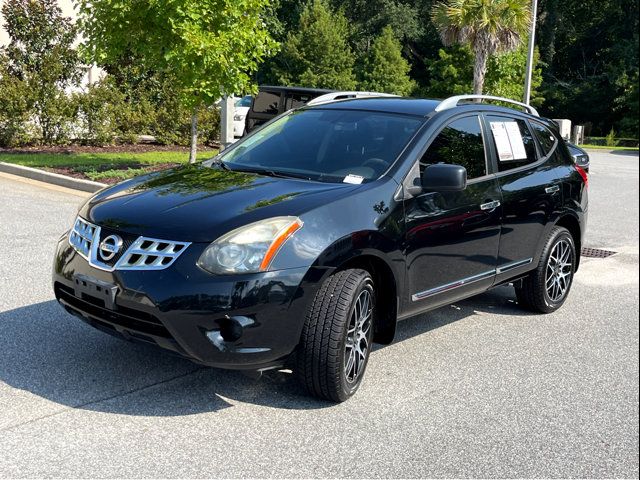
265	106
530	182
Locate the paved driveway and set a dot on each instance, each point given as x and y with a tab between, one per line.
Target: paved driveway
475	389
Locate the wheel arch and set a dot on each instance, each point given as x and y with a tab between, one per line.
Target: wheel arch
378	255
386	290
572	224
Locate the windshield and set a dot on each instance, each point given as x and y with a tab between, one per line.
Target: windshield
244	101
328	145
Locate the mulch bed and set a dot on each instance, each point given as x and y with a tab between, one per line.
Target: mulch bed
69	149
70	172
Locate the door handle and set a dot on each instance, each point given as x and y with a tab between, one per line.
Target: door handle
490	205
552	189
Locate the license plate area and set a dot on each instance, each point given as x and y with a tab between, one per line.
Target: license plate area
85	285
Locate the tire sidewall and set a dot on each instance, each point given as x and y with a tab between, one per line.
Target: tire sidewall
348	389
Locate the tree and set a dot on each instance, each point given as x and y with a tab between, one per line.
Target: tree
41	57
487	26
591	51
506	72
368	18
210	47
316	53
15	105
451	74
385	70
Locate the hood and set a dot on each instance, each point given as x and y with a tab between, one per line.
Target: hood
199	204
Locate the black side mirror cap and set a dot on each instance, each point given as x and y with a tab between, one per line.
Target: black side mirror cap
443	177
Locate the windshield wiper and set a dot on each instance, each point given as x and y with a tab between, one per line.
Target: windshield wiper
219	163
272	173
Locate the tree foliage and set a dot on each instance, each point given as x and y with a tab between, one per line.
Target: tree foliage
317	53
452	74
210	47
385	70
590	48
38	64
487	26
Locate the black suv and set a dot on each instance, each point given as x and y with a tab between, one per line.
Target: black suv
271	101
305	242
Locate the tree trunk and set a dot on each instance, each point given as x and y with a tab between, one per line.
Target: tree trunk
479	71
194	136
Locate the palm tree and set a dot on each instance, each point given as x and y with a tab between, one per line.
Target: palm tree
487	26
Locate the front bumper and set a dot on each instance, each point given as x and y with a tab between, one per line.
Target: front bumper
191	312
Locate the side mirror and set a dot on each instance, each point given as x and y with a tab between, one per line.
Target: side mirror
443	177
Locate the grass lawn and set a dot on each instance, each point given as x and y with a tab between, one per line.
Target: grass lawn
604	147
106	167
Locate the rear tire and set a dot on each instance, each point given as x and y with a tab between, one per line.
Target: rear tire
547	287
336	339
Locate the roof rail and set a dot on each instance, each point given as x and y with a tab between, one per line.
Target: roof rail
452	102
343	95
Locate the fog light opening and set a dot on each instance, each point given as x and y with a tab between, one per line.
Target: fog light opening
231	329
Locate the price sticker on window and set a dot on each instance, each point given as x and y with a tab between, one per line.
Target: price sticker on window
508	140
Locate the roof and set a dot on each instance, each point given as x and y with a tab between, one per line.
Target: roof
406	106
280	88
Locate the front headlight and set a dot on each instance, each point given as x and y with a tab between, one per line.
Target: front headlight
238	117
249	249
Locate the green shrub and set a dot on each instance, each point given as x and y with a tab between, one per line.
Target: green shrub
15	104
109	113
610	139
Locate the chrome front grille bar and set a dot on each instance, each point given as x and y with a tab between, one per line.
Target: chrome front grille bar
143	254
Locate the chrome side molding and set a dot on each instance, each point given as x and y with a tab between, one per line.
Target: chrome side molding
466	281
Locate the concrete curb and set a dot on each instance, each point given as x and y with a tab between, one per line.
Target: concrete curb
54	178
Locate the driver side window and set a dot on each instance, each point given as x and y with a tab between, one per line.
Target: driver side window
459	143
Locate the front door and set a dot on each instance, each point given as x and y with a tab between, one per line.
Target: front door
452	238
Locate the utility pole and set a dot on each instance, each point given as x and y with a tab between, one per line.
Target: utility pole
532	42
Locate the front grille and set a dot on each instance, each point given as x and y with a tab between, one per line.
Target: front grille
133	253
128	318
127	241
82	236
151	254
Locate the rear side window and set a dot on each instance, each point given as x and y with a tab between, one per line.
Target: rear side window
459	143
514	143
266	102
295	100
546	139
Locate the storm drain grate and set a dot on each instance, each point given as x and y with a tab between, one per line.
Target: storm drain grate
596	252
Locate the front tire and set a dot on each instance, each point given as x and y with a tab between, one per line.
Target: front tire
547	287
336	339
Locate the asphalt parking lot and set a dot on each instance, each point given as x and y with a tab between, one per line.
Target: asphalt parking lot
477	389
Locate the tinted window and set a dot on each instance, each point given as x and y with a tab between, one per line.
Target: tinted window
460	143
513	141
326	145
267	102
295	100
546	139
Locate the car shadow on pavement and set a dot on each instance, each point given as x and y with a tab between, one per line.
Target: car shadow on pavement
626	153
55	356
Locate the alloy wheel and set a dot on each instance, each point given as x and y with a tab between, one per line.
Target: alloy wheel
559	271
357	341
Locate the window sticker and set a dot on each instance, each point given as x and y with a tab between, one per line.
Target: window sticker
355	179
515	138
508	141
501	138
